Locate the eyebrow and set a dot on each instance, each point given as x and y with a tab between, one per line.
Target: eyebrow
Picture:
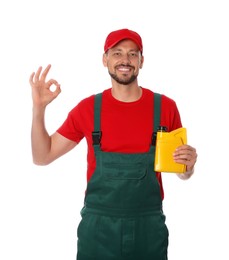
118	49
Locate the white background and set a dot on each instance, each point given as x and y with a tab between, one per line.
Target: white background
186	57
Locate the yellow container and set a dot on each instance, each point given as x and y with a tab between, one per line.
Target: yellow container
166	144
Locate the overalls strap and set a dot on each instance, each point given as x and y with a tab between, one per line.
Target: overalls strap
157	111
157	116
97	133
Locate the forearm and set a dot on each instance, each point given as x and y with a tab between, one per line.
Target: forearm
40	139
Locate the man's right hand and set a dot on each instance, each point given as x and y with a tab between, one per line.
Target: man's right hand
41	92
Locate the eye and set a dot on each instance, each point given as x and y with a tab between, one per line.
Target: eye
133	54
117	54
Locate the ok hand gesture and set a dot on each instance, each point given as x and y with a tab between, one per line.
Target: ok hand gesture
41	92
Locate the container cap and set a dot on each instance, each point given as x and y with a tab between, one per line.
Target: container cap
162	128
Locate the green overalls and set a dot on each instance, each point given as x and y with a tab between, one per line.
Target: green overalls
122	218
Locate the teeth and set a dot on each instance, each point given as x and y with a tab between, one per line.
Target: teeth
124	69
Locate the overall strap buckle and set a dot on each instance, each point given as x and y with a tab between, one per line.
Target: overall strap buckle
154	138
96	137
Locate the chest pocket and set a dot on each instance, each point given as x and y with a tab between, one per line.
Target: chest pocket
124	171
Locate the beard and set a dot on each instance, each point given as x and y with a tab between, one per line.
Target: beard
123	81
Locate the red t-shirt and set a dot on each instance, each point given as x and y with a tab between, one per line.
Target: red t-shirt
126	127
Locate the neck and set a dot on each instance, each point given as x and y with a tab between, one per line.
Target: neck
126	93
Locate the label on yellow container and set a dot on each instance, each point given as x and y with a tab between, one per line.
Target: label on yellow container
166	144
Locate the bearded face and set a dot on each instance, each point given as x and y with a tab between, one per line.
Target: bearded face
123	62
123	74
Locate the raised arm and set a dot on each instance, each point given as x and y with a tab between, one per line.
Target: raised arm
45	148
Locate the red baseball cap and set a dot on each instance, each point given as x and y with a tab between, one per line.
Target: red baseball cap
116	36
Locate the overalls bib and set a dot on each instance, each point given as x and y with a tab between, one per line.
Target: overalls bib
122	218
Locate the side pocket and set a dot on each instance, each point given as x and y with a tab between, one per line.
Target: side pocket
83	216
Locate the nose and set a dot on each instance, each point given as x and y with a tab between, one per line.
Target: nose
126	59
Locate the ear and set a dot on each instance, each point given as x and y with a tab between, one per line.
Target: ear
141	62
105	60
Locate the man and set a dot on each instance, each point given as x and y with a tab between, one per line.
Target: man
122	217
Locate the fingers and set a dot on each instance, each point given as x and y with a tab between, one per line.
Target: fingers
45	72
37	74
35	77
185	154
57	89
31	78
52	82
185	149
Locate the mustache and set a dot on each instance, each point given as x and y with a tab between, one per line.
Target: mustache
125	65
